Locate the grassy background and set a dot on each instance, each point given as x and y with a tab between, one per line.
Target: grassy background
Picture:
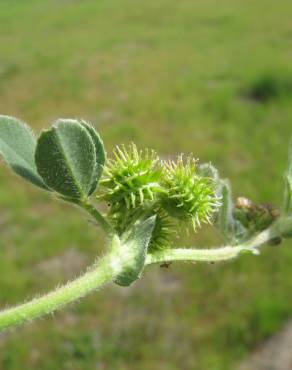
178	76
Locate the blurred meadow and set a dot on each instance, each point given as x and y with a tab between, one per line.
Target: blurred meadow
208	77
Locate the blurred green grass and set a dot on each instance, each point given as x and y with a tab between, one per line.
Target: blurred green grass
178	76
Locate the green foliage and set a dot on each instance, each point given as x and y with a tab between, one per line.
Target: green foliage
196	92
17	146
133	248
145	196
70	158
66	159
100	154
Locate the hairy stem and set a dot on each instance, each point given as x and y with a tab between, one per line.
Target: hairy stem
199	255
91	280
213	254
112	265
94	212
263	237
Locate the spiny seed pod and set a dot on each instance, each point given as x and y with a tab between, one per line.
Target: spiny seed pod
122	218
131	178
190	198
162	232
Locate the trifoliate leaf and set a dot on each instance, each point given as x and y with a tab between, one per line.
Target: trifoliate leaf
17	147
133	251
66	159
100	154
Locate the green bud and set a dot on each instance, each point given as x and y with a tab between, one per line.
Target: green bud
254	217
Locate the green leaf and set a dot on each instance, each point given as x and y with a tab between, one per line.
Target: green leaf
232	229
65	158
100	154
287	206
17	147
133	251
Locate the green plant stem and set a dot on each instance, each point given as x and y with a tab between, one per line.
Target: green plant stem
111	266
198	255
94	212
91	280
213	254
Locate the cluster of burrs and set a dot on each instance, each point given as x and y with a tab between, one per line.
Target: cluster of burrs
148	201
137	185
